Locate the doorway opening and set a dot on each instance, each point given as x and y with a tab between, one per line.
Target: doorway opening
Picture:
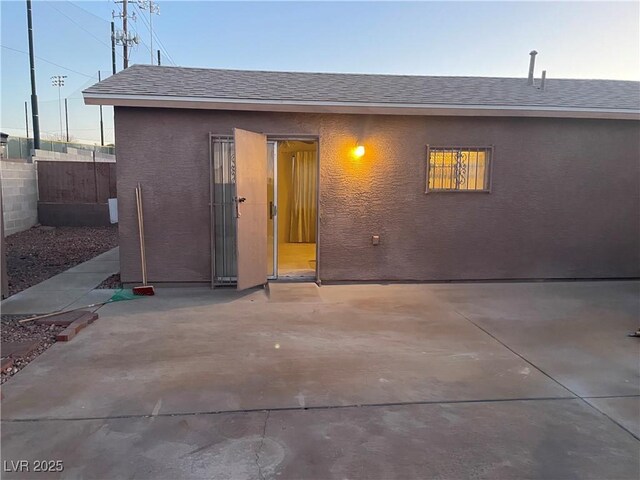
295	197
264	209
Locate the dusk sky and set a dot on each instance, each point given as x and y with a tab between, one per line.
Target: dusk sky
574	40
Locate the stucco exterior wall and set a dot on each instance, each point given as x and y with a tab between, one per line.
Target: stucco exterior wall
565	200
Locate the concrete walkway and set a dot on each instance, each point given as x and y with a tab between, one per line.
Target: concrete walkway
495	381
65	288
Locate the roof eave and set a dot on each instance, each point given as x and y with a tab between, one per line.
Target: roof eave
204	103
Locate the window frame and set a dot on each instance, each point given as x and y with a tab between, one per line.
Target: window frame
487	148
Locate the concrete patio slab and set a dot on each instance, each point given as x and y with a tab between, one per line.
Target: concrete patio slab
191	447
495	440
212	356
574	331
624	410
350	381
94	296
304	292
27	302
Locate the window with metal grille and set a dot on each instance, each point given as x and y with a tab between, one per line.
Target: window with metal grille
459	169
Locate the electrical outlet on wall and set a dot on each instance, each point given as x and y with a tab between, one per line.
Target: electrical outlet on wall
375	240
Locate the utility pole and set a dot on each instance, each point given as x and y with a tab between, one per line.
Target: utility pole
113	48
58	81
66	118
153	8
26	118
123	37
34	96
158	57
101	124
125	45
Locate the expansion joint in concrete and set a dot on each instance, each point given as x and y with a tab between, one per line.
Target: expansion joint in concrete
576	395
288	409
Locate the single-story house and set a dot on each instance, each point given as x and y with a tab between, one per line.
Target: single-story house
256	175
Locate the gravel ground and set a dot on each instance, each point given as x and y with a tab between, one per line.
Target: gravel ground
42	252
112	282
12	331
36	255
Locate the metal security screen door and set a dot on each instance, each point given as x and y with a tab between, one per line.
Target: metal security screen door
225	208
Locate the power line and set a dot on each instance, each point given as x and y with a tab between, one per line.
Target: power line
152	32
153	9
79	26
164	49
78	91
140	38
87	11
49	61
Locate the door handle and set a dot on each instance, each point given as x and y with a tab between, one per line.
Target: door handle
272	210
237	201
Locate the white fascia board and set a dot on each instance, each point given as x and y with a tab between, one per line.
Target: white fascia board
161	101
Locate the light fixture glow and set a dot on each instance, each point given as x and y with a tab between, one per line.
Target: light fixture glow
359	151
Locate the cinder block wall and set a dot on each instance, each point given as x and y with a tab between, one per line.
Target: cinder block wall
19	196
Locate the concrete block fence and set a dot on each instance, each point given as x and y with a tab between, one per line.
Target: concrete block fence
19	196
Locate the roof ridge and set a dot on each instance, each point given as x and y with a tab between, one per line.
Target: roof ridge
367	74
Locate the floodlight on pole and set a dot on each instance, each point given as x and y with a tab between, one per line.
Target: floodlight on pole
58	81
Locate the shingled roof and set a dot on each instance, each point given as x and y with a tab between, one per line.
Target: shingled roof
147	85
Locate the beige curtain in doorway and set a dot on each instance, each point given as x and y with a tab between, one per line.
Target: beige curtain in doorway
303	198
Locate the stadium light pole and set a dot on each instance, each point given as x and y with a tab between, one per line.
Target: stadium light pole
58	81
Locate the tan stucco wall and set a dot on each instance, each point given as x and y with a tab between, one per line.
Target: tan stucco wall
564	203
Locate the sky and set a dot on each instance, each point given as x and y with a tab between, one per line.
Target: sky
573	39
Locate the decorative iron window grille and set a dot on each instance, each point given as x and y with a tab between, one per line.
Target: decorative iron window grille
459	169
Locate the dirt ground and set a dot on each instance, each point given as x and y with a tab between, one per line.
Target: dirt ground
42	252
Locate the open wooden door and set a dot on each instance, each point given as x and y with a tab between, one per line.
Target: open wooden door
251	207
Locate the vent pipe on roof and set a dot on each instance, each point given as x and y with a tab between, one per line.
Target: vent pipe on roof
532	64
542	80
